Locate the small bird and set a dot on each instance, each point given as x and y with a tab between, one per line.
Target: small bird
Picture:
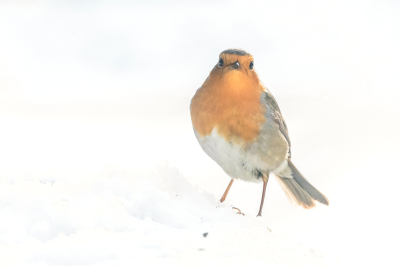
238	124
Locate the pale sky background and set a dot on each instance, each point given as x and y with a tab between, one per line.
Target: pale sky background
96	84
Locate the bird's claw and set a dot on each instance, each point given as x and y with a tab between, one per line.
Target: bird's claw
238	211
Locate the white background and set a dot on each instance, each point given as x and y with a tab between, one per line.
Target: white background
96	86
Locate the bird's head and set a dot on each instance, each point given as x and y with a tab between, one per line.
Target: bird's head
234	62
235	67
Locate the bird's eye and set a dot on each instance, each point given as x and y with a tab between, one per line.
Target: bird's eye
220	62
251	66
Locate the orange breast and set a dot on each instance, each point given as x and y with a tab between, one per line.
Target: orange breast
229	102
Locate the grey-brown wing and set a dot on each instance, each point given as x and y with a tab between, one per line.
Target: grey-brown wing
278	118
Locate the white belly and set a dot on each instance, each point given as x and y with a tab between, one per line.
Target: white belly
246	162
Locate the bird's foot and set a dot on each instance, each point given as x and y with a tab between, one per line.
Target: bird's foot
238	211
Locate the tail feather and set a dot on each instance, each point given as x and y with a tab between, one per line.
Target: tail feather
296	193
318	196
299	190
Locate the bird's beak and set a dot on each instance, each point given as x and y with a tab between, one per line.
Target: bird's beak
236	65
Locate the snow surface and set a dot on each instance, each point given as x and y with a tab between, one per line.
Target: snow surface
95	94
117	217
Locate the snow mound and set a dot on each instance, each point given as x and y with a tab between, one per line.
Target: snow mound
120	217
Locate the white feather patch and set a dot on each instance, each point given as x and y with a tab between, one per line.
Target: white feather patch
283	170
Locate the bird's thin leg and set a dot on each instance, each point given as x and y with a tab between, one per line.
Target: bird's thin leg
265	180
226	191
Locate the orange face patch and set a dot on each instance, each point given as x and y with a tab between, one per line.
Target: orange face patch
229	100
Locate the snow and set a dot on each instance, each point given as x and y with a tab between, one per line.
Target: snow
117	217
99	164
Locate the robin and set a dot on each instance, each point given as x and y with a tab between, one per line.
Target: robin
238	124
